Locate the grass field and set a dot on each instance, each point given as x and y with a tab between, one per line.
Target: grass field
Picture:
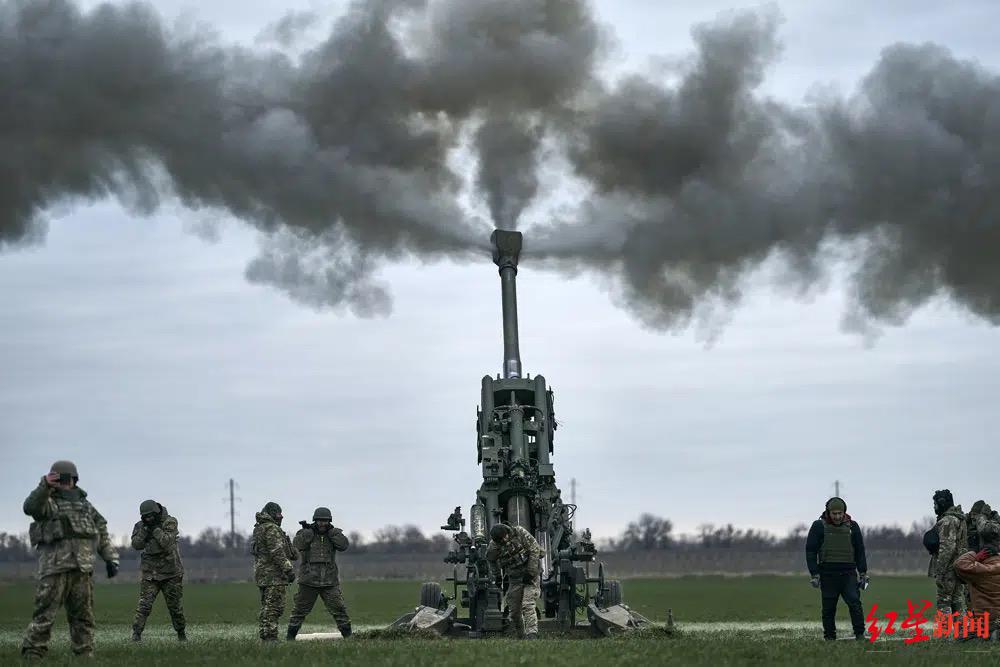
741	620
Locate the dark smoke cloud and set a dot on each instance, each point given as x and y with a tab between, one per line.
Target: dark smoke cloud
288	30
698	183
508	166
343	152
341	157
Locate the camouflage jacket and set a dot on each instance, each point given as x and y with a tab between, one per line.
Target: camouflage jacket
319	556
518	556
273	553
953	532
160	558
66	530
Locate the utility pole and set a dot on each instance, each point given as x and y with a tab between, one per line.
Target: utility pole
232	512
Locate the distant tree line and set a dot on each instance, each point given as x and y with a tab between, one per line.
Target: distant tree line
650	532
216	543
647	533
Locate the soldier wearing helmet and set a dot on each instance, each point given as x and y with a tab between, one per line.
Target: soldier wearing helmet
319	543
952	539
155	535
516	552
273	554
66	530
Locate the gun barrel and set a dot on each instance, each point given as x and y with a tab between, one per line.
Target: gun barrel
506	252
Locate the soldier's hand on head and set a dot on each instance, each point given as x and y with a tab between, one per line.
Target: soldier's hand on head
112	568
52	479
814	582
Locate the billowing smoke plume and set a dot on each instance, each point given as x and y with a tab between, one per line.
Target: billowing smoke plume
343	152
697	183
508	166
342	156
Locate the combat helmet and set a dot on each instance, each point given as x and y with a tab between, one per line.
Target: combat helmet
149	507
322	514
499	532
65	468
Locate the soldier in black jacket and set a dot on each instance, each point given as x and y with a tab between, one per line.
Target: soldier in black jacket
835	555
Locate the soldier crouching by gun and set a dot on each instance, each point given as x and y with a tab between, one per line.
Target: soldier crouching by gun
155	535
517	553
319	543
273	554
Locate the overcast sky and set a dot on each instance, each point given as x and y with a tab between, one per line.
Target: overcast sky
138	350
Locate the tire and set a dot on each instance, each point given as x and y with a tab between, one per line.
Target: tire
430	594
613	593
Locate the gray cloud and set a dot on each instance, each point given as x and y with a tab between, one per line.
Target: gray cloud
341	157
698	183
508	166
287	30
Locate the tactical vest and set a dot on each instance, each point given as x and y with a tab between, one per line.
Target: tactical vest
73	517
515	552
321	549
837	545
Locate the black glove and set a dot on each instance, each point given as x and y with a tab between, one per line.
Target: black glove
112	568
814	582
291	577
304	524
529	578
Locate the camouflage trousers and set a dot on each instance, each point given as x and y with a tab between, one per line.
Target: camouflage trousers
272	606
73	589
950	592
305	599
521	599
173	590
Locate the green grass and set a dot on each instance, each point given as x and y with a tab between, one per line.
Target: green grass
222	627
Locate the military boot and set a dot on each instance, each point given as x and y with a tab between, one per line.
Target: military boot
293	630
182	636
136	634
531	635
345	630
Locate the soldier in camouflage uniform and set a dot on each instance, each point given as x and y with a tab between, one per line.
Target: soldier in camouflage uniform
978	516
273	554
65	529
319	543
952	540
517	554
155	535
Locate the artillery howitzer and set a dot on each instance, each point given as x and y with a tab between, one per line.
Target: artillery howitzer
515	430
